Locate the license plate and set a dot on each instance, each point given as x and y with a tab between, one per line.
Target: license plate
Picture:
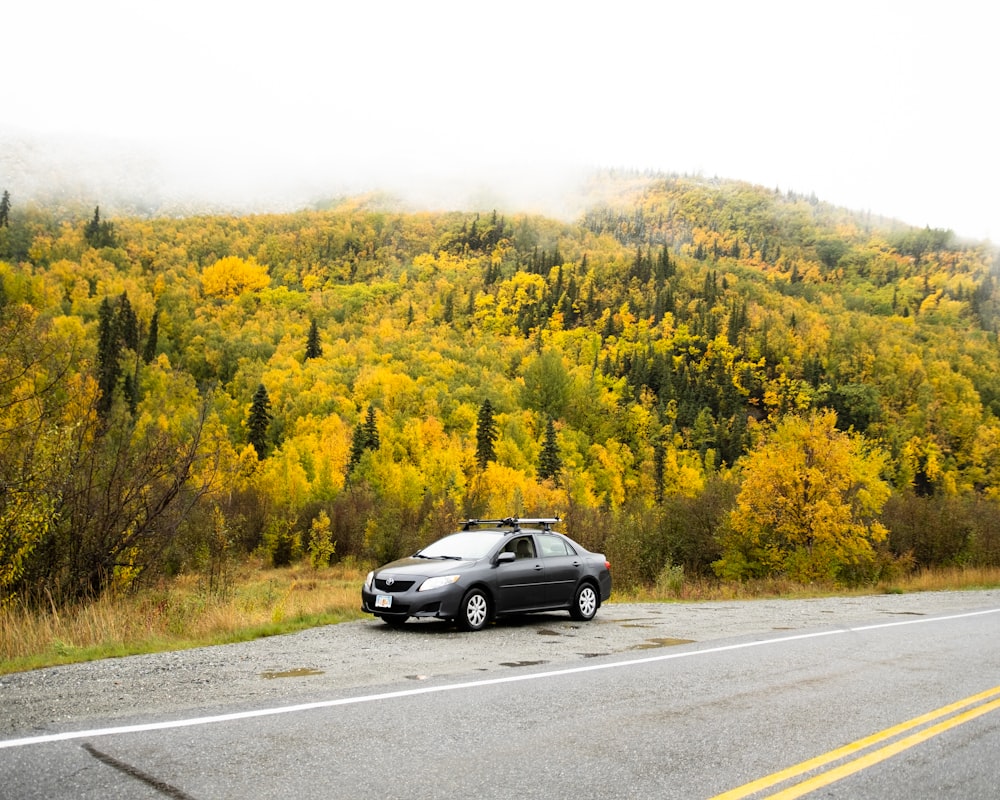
383	601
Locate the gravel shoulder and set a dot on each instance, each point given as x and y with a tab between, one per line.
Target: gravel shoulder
351	657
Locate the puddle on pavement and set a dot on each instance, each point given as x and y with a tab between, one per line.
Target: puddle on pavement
302	672
652	644
521	663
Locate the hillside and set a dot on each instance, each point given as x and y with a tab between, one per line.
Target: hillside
346	382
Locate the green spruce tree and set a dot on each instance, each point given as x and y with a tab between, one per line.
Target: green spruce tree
371	430
108	357
314	348
149	351
549	461
117	329
128	323
99	234
259	420
486	435
357	448
365	437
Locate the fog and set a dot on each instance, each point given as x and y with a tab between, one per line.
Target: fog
130	177
878	106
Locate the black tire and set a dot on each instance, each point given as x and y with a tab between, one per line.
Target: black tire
393	621
474	612
585	603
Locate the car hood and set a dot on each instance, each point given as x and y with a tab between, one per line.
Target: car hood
423	566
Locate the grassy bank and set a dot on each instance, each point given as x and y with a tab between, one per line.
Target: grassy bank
187	612
673	586
184	612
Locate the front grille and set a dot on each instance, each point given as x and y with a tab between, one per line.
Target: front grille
397	586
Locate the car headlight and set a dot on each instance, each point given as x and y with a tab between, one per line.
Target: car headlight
437	583
369	580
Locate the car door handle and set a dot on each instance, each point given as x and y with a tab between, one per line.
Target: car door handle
538	567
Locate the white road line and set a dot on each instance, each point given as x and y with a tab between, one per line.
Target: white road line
450	687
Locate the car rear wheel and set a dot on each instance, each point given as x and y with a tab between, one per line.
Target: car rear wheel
585	603
474	612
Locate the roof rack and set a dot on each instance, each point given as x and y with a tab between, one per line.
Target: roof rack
546	523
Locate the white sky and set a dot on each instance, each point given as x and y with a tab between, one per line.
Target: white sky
888	107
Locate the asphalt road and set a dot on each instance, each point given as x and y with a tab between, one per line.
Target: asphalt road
891	696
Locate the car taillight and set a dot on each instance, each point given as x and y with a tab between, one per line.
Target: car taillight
607	566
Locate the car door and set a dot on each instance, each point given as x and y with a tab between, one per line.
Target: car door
522	581
562	569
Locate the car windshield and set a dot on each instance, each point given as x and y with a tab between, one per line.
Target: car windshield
467	544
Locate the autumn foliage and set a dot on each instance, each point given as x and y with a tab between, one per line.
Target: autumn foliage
808	505
698	376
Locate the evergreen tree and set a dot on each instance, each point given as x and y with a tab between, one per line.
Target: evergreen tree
99	234
128	323
365	437
664	268
108	354
130	389
549	461
5	209
357	448
149	351
486	435
659	470
93	228
117	328
314	348
258	420
371	430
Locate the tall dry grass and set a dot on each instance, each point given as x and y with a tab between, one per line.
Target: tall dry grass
186	611
182	612
672	586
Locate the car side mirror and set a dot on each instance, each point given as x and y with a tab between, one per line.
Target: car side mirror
506	557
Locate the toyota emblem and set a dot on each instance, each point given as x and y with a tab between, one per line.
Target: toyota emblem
390	581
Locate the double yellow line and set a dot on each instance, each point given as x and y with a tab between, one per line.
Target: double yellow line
958	713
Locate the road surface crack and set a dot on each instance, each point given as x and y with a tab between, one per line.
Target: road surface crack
162	787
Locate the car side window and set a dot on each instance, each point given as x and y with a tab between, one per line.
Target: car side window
553	546
522	547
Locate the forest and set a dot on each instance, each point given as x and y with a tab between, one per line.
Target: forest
699	377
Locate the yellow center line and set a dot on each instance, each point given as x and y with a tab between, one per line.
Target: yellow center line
863	744
865	761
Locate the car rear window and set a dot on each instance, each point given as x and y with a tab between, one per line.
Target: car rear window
554	546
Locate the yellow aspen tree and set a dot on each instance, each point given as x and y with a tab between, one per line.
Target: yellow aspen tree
807	506
231	276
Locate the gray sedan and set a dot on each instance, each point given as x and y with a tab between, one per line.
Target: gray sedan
489	569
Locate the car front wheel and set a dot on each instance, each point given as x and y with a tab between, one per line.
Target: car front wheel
585	603
474	612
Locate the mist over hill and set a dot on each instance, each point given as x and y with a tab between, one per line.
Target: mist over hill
126	177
